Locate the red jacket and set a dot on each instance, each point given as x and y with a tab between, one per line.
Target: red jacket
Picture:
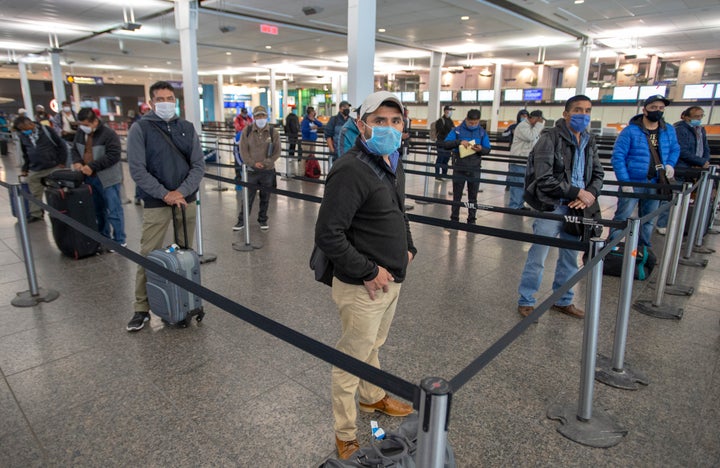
240	122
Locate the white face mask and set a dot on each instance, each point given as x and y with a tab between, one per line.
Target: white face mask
66	109
261	122
165	110
88	130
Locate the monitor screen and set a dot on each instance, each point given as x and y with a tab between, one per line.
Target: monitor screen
446	96
408	96
563	94
647	91
625	93
698	91
513	94
468	95
593	93
485	95
534	94
426	96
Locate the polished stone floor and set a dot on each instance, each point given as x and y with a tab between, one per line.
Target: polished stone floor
78	390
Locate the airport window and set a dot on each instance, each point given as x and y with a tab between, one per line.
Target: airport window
712	70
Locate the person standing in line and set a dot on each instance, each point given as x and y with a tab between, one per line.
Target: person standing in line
694	149
333	128
260	147
565	173
443	126
96	153
292	129
467	161
309	128
633	161
167	163
363	230
526	135
242	120
43	152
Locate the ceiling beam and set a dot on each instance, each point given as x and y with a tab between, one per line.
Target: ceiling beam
527	14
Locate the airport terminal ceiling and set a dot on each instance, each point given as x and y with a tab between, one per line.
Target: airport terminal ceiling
135	40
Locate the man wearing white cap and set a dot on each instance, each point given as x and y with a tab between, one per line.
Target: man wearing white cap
363	231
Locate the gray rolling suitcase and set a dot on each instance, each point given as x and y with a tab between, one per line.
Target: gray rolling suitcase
173	304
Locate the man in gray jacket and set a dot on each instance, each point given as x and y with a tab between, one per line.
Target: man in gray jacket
96	153
525	136
167	164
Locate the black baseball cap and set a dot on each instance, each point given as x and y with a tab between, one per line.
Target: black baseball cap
536	113
448	108
344	103
655	98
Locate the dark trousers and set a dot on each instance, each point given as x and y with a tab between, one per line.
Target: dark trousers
441	163
292	144
460	178
263	179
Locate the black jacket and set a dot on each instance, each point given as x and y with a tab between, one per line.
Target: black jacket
292	126
46	150
443	126
548	177
362	222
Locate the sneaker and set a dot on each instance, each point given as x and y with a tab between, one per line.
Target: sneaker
239	226
138	321
124	244
661	230
264	226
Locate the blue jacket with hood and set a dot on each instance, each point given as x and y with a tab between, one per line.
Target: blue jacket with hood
631	154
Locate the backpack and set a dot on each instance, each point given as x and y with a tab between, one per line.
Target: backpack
312	168
644	262
433	131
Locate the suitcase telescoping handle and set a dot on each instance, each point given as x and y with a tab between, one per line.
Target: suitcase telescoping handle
184	226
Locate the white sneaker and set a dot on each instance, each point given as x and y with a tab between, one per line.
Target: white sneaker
661	230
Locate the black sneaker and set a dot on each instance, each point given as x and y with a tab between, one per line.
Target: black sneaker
239	226
264	226
138	321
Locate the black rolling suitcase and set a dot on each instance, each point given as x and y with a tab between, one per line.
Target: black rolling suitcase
173	304
73	198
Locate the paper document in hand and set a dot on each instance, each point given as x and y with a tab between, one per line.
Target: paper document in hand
465	152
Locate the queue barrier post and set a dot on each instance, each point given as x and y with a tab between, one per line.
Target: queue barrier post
203	256
246	246
219	187
35	294
435	398
671	287
713	212
704	213
615	372
695	221
579	423
656	308
427	181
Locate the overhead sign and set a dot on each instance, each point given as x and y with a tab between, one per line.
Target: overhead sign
269	29
534	94
84	80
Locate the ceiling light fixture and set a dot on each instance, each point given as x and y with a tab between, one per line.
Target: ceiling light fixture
130	24
486	72
268	47
228	53
464	18
578	2
381	30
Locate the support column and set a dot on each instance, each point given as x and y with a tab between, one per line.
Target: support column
273	99
285	107
437	59
76	98
25	86
147	92
57	78
583	66
337	92
186	17
220	99
497	97
361	50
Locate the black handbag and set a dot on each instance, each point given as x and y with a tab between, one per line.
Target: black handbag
576	222
322	266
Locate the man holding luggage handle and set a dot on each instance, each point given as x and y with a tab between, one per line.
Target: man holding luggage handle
363	230
167	164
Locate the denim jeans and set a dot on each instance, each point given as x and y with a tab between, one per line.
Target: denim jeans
566	264
108	209
625	208
441	163
516	193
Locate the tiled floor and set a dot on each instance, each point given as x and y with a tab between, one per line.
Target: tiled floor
78	390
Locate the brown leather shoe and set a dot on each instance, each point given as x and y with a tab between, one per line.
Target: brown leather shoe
389	406
570	310
346	448
525	310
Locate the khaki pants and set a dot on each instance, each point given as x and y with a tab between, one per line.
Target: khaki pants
365	327
155	225
37	189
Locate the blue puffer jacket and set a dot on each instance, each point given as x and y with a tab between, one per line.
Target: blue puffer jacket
631	153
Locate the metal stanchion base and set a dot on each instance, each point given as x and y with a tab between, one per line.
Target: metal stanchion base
679	290
243	247
703	250
221	189
693	263
600	431
662	311
207	257
422	202
713	231
625	379
26	299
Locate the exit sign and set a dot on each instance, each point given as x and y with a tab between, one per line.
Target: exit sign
269	29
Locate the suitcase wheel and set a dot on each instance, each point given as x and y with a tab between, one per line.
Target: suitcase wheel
183	323
200	316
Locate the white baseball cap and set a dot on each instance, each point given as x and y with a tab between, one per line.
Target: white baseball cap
375	100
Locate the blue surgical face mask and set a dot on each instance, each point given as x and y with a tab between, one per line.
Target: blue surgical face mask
579	122
384	140
696	123
27	132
